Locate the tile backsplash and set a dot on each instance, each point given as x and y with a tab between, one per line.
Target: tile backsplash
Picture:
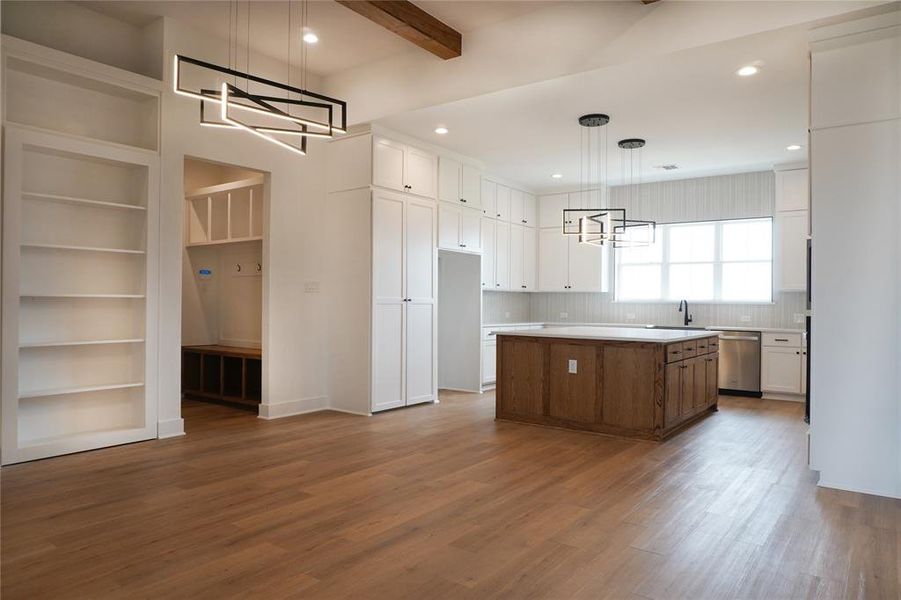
505	307
515	307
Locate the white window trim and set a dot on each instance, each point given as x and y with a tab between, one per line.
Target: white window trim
717	266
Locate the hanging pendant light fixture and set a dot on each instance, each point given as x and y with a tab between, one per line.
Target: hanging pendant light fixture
600	225
271	110
633	233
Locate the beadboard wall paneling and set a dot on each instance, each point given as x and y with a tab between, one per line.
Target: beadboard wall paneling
600	308
743	195
505	307
739	196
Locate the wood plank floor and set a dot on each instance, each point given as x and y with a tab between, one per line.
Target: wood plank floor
441	501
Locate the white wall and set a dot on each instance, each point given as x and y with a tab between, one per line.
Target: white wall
856	227
294	335
78	30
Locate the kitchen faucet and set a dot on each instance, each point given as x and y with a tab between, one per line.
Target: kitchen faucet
687	318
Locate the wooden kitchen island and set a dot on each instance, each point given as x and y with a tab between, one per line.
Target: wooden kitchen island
629	382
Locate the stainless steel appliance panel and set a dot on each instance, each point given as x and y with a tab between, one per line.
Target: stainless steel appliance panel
740	361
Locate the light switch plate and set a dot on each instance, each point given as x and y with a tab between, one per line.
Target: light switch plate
311	287
564	316
746	318
630	316
507	315
573	366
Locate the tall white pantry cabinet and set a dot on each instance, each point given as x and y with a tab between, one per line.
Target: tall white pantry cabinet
390	188
80	201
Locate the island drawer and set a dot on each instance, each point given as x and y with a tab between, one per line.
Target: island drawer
674	352
708	346
690	349
790	340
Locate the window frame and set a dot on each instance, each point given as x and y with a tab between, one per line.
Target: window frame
718	263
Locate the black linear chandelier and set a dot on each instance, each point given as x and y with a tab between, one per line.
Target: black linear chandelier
278	112
601	226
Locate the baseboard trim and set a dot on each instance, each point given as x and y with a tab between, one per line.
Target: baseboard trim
783	397
349	412
170	428
461	390
847	487
293	407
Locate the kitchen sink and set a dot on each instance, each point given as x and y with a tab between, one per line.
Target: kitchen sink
677	327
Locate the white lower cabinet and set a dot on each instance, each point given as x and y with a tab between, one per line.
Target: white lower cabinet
489	362
780	370
404	286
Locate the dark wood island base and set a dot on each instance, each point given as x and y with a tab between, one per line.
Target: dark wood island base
636	389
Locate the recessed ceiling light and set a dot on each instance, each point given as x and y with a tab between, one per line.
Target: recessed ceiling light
441	130
557	175
310	37
748	70
793	147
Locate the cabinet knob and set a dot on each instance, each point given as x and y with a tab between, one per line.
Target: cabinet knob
462	245
798	353
523	287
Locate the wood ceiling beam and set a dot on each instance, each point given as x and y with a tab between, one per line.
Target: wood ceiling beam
411	23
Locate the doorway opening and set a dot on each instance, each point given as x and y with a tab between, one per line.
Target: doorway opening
223	268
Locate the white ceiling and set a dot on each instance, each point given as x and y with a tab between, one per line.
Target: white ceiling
690	107
346	39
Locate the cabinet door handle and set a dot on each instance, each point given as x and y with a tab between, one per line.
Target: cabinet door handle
523	287
497	285
462	199
781	339
498	214
462	245
798	353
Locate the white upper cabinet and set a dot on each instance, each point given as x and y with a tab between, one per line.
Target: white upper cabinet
388	164
517	214
488	252
529	210
459	227
791	236
550	210
449	176
529	259
553	260
502	206
421	172
585	265
489	198
471	229
502	256
459	183
404	168
516	257
449	216
471	186
792	190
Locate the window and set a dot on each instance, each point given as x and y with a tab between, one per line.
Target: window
713	261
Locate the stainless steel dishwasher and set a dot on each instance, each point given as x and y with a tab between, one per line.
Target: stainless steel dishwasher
740	362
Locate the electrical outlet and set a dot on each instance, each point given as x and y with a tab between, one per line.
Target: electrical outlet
799	318
311	287
573	366
507	315
564	316
630	316
745	318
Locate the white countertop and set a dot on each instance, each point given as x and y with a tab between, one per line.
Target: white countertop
760	329
614	334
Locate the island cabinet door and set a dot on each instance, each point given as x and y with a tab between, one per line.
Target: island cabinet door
672	406
688	384
520	377
699	387
574	383
712	384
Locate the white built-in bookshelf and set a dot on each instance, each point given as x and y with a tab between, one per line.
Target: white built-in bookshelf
81	186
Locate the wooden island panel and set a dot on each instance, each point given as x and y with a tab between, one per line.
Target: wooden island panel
645	390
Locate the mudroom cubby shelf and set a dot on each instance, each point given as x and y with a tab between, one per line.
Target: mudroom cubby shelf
223	374
224	214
